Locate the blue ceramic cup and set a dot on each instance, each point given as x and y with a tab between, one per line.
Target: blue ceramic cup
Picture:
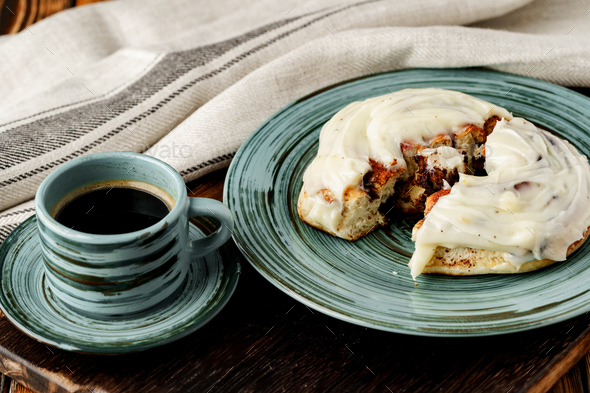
113	276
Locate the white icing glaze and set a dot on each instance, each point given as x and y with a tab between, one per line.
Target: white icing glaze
533	203
374	129
444	157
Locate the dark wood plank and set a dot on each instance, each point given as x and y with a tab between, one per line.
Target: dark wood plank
4	383
85	2
265	341
12	16
566	359
15	387
50	7
584	366
31	13
210	186
17	15
571	382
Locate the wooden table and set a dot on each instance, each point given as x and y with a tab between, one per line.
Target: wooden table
265	341
17	15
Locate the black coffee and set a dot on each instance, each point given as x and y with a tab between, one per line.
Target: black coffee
113	211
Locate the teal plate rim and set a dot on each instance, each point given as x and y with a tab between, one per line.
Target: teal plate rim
210	284
261	190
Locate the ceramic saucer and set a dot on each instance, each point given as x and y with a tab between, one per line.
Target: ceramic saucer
27	300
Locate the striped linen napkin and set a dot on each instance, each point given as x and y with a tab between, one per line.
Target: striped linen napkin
188	81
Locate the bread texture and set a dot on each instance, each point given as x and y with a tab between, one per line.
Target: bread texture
463	261
407	188
360	205
421	172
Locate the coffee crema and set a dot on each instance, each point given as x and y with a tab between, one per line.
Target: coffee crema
113	207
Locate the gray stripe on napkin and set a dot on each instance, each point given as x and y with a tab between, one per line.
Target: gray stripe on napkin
44	135
5	231
31	209
98	113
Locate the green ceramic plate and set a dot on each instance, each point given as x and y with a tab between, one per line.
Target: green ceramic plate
30	305
367	282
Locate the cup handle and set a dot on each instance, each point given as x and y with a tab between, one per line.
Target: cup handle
203	207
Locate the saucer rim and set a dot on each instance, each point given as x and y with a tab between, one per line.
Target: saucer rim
232	276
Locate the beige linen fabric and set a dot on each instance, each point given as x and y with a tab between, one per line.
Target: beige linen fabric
188	81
